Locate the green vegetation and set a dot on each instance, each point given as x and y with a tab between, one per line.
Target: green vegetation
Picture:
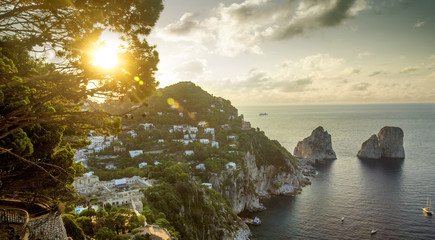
188	210
45	106
194	103
111	223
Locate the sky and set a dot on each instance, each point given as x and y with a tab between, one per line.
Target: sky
285	52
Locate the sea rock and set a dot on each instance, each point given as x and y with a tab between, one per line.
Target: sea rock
391	142
318	146
370	149
387	144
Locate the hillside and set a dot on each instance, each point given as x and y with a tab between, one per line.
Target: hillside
208	163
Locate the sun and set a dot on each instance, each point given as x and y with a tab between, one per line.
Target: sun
106	56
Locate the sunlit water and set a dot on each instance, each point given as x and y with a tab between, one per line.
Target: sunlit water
388	193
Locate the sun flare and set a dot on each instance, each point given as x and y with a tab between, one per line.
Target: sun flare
106	56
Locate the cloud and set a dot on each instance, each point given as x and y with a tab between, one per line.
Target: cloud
363	54
377	73
295	86
242	27
419	24
408	70
193	70
311	15
311	74
360	86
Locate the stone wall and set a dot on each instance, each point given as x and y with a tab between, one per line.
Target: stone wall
49	227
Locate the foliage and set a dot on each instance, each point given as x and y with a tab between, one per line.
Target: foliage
42	103
194	103
186	209
105	233
215	165
267	152
72	228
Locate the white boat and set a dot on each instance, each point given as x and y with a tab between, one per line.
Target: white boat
257	221
342	219
373	228
428	210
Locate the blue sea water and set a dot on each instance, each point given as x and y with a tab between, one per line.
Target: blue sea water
388	193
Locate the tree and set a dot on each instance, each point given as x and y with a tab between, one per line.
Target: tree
42	103
71	227
86	224
105	233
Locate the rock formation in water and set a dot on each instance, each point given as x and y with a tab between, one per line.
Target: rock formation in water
370	149
388	144
318	146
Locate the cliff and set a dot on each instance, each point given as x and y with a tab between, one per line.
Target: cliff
318	146
246	187
387	144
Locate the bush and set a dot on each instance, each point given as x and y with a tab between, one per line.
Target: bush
71	227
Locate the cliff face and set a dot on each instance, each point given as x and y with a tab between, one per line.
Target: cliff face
244	187
318	146
387	144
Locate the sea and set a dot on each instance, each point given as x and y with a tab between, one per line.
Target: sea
385	194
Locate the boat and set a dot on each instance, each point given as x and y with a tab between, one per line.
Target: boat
373	228
256	221
428	210
263	114
342	219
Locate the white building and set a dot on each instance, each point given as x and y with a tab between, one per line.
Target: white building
135	153
132	133
230	166
209	130
192	130
178	128
200	166
188	152
204	141
161	141
184	141
202	123
142	164
111	166
215	144
147	126
208	185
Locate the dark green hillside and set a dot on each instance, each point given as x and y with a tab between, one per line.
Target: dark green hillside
195	104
